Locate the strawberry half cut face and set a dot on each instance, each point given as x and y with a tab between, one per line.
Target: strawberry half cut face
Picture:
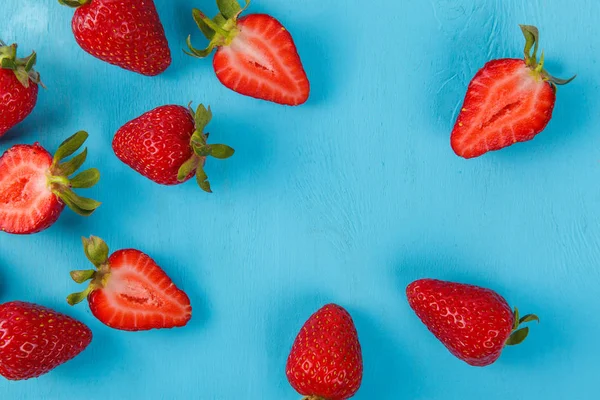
129	291
35	187
508	101
256	55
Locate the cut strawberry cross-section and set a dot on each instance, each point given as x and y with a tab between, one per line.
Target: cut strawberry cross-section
35	187
256	56
129	291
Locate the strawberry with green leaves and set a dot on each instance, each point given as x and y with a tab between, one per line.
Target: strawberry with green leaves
34	340
125	33
18	87
168	145
35	186
326	359
129	291
508	101
256	56
474	323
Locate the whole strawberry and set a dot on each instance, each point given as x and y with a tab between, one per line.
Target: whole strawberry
35	186
18	87
256	56
34	340
326	360
168	145
126	33
472	322
508	101
129	291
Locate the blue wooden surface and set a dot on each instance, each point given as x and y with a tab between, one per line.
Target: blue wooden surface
346	199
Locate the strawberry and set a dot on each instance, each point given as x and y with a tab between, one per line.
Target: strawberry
508	101
128	291
326	360
472	322
256	56
126	33
18	87
167	145
34	340
35	187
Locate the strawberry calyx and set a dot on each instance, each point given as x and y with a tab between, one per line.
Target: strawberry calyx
96	250
313	398
22	67
60	182
532	38
519	334
74	3
202	149
221	30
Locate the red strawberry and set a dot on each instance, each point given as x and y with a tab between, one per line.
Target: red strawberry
472	322
128	291
35	187
508	101
256	56
126	33
34	340
326	360
168	146
18	87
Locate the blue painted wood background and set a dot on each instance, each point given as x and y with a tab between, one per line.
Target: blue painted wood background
346	199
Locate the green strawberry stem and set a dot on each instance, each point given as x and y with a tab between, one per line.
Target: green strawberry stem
201	149
532	39
96	251
58	175
22	67
220	30
74	3
519	334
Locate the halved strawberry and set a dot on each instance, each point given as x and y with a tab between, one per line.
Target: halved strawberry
508	101
129	291
35	187
256	56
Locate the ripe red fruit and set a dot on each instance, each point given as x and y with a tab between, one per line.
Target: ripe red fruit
508	101
168	146
126	33
128	291
34	340
18	87
256	56
472	322
326	360
35	187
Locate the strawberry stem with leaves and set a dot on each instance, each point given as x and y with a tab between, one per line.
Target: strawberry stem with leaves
22	67
96	250
60	171
220	30
532	39
202	149
518	335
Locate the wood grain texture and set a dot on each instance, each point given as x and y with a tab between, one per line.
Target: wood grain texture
346	199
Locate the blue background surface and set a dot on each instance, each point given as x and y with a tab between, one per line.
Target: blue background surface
345	199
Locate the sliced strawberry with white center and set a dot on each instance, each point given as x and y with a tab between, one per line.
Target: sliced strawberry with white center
34	186
129	291
26	202
508	101
256	56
